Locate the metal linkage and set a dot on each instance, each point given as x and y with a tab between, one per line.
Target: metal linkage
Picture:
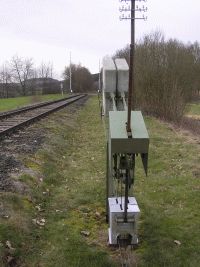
122	208
123	174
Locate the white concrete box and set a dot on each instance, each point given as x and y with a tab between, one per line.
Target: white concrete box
118	228
122	75
109	75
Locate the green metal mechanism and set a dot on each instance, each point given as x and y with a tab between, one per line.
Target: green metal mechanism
124	144
120	144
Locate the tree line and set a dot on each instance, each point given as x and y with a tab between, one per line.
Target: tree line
19	71
81	78
167	75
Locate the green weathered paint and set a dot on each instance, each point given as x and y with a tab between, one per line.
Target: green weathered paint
119	141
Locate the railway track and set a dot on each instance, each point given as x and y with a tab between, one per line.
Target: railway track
12	120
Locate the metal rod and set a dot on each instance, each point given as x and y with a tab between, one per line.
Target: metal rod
113	101
126	196
124	101
131	90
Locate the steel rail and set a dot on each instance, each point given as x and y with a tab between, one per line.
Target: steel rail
31	107
30	114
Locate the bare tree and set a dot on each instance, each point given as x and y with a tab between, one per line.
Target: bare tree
166	74
123	53
82	80
5	79
22	70
45	70
195	48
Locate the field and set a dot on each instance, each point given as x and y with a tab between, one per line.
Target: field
13	103
194	109
60	220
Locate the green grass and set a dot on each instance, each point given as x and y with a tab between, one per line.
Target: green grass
193	109
13	103
72	165
169	199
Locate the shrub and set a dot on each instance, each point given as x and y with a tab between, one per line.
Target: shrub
166	75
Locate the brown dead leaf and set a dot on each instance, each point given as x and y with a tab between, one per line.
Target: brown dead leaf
39	222
9	259
85	233
6	216
98	214
177	242
9	246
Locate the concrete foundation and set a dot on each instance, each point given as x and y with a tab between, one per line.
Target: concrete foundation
118	228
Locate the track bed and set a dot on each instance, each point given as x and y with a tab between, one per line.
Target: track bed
12	120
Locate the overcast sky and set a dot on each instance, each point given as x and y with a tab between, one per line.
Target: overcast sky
47	30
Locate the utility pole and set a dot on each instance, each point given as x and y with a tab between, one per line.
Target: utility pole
61	88
99	81
128	11
70	73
